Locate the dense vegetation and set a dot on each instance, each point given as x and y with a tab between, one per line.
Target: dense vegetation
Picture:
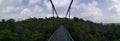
38	29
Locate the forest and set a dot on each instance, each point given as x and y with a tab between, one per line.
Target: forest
41	29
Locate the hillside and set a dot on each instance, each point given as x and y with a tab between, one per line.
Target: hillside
39	29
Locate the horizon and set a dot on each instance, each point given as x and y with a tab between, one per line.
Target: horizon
105	11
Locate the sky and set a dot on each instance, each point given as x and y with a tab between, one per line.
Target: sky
105	11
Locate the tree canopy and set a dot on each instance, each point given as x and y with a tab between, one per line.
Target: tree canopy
39	29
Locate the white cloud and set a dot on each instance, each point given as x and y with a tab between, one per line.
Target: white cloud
37	8
33	1
1	2
90	11
57	3
115	12
116	1
19	13
48	5
115	8
9	7
26	11
61	3
31	12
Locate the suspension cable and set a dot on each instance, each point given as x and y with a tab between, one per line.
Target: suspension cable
53	8
68	11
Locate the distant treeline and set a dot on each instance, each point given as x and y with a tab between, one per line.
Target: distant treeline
39	29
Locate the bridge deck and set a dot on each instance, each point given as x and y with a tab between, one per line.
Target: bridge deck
61	34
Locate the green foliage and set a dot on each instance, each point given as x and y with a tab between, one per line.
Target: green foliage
38	29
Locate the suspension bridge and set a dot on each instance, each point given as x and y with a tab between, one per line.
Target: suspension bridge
61	34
